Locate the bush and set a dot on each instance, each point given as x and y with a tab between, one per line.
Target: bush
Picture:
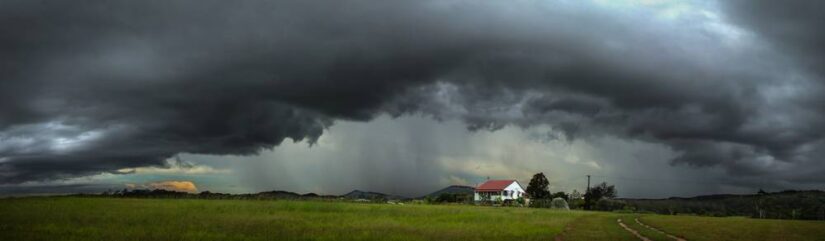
454	198
576	204
610	204
540	203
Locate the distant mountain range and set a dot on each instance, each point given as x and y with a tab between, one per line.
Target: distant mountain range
354	194
790	204
280	194
454	189
277	194
358	194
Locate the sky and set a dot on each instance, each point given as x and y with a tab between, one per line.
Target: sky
661	98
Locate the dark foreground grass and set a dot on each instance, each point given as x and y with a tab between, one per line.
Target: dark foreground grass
695	228
630	221
64	218
596	226
72	218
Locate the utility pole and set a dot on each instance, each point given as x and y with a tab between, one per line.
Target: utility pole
587	195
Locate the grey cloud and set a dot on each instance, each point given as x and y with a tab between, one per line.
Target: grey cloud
794	25
158	78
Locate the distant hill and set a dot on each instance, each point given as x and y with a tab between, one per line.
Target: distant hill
454	189
278	194
781	205
314	195
358	194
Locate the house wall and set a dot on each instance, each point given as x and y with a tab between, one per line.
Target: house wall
514	191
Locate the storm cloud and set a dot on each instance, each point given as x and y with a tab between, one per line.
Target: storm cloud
98	86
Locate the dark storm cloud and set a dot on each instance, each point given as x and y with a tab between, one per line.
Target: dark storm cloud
97	86
794	25
56	189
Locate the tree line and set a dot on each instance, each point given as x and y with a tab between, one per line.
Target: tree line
602	196
789	204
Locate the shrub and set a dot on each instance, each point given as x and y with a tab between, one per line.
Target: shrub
610	204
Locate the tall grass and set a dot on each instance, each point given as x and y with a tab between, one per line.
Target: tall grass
696	228
73	218
173	219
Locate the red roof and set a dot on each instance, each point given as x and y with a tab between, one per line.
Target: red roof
494	185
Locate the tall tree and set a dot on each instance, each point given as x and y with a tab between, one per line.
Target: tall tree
575	195
602	190
538	187
596	193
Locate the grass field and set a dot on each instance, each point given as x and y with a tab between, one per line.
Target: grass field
737	228
71	218
595	226
629	220
170	219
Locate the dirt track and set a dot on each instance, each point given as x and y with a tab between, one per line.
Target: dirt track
633	231
660	231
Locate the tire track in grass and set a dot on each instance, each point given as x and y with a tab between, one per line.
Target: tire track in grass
634	232
595	226
660	231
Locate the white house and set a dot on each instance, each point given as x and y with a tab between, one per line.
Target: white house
498	190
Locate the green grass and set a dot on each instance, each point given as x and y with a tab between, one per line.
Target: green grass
696	228
175	219
630	221
73	218
596	226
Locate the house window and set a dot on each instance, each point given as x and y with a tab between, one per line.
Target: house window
505	193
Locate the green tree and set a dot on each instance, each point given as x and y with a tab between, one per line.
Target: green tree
538	187
602	190
561	195
598	192
575	195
